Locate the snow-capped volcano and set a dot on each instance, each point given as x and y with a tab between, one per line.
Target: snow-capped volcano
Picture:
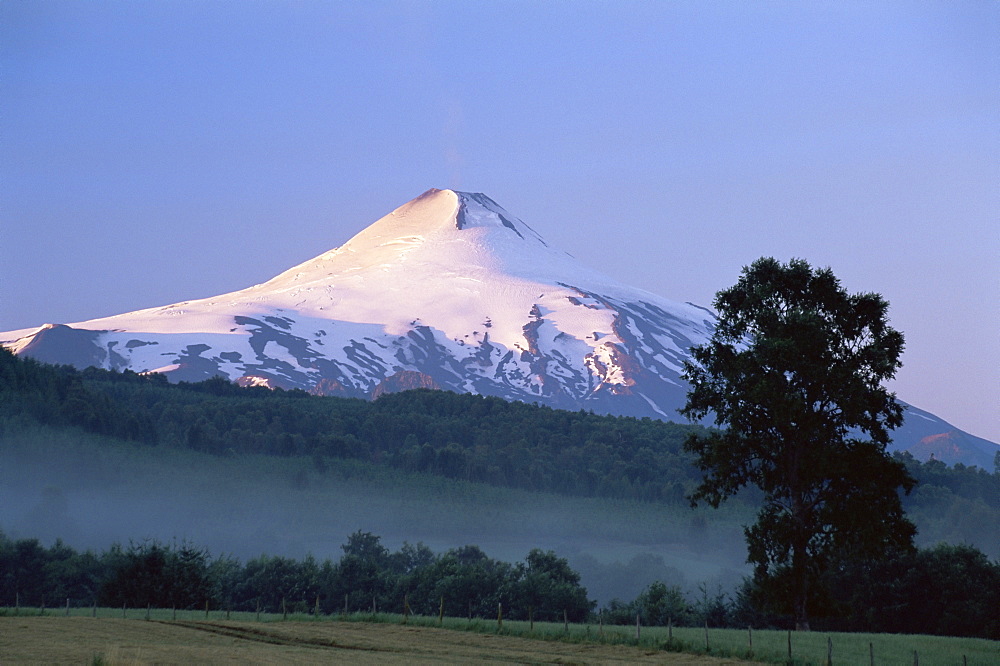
447	291
450	286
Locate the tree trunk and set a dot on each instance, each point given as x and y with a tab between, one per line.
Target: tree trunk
800	567
801	616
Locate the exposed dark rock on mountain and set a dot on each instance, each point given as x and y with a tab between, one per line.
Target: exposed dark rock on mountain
448	291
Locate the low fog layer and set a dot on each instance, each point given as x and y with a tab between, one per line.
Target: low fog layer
91	492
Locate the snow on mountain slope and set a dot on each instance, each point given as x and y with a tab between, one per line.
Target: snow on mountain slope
449	285
449	290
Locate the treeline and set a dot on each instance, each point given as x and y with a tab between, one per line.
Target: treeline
469	437
367	576
945	590
955	504
33	392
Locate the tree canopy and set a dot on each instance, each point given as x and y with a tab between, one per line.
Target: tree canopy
793	377
459	436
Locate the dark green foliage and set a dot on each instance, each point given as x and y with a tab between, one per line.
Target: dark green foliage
270	581
460	436
469	582
954	504
32	392
944	590
970	483
794	373
186	577
37	576
660	605
469	437
546	584
657	606
153	574
948	590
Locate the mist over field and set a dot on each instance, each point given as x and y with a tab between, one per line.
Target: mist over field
92	492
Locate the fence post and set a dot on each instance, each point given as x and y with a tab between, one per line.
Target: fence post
789	645
499	615
406	607
916	659
750	639
258	609
345	605
441	612
706	636
123	610
206	609
636	627
173	613
67	606
871	654
531	618
829	651
317	607
284	609
565	622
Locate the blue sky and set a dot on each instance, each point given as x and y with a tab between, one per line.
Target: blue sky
154	152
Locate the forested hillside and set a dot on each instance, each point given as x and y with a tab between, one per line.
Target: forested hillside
467	437
429	453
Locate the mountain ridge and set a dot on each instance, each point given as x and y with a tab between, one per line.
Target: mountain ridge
449	286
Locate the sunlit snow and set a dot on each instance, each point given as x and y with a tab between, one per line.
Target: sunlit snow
449	283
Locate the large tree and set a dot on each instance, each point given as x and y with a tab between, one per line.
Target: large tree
793	378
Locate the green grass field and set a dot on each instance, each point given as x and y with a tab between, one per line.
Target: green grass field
769	646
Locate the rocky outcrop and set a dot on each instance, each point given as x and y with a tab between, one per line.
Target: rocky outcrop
404	380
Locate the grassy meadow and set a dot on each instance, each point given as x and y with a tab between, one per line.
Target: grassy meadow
103	636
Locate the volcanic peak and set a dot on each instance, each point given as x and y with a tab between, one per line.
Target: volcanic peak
449	290
440	232
436	211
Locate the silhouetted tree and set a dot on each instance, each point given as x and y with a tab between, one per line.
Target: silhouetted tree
794	373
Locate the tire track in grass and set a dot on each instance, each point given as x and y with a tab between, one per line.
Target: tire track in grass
261	636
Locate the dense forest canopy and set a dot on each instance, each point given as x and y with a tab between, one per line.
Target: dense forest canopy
367	576
486	440
458	436
947	590
469	437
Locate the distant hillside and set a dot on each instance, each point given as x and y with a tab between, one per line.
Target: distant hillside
929	437
467	437
461	437
954	447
